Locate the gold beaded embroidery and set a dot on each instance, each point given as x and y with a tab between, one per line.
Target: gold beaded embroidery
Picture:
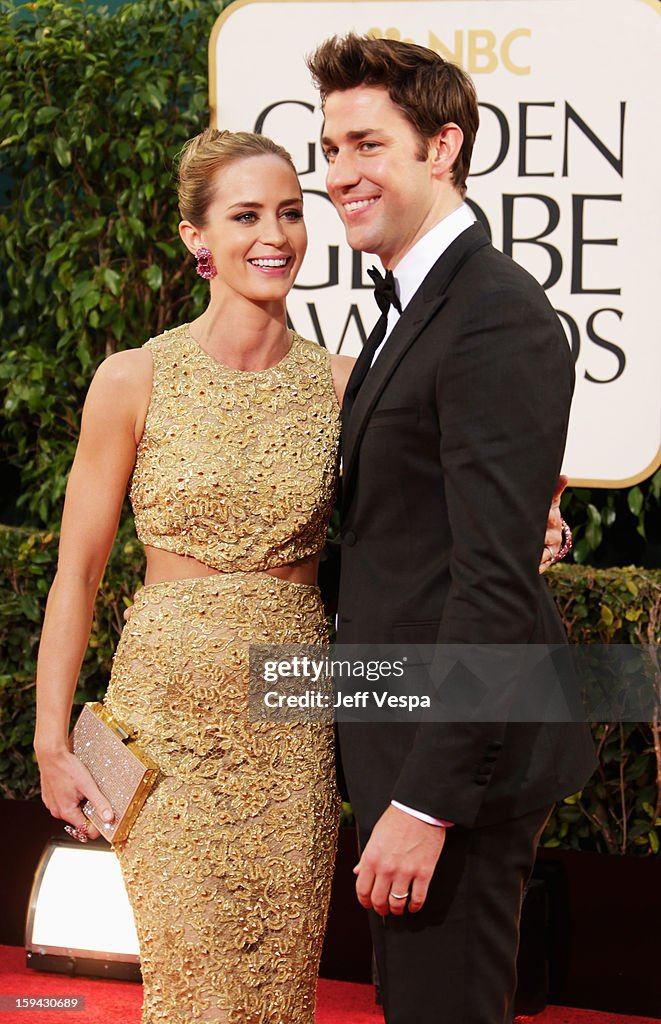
229	864
236	469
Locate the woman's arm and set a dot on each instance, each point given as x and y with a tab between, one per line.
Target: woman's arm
112	423
341	367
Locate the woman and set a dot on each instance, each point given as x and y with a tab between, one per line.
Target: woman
229	429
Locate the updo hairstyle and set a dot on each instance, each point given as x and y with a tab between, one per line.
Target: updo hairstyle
208	153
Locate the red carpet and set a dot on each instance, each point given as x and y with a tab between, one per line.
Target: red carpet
108	1001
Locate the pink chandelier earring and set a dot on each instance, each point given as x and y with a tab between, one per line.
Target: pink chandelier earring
204	264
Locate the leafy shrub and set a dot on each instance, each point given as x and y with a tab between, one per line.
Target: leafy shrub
93	109
619	811
616	527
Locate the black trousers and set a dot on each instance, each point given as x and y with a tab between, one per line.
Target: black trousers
454	962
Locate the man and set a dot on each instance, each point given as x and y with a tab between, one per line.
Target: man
455	420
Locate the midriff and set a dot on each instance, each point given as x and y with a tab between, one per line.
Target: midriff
166	566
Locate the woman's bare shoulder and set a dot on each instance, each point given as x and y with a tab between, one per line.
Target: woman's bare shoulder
124	377
131	366
121	390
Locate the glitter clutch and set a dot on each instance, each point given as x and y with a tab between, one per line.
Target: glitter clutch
121	769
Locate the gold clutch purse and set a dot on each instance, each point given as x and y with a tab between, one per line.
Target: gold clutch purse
121	769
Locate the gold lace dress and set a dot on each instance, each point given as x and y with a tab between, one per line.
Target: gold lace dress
228	867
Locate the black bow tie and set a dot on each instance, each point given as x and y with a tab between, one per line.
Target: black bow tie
384	290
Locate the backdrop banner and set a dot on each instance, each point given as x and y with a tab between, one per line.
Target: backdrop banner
565	178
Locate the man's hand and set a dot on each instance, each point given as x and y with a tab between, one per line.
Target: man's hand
399	858
553	538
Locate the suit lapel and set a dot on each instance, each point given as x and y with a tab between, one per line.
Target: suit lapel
424	305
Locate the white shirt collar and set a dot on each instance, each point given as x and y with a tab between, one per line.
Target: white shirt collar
413	268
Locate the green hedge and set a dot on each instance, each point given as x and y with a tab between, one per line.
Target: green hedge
618	812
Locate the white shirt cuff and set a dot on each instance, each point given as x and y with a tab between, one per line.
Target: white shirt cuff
421	815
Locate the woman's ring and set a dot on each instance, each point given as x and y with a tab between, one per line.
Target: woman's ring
550	551
77	833
396	896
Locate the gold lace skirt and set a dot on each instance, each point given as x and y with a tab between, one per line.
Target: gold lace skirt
228	867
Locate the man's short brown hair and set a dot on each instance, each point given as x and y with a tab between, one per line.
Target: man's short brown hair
430	91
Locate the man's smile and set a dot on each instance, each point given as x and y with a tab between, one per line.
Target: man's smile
353	205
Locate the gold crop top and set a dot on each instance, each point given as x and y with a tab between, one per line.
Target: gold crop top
236	468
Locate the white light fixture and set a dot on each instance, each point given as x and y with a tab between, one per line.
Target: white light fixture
79	918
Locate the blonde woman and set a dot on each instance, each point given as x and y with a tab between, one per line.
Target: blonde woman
227	429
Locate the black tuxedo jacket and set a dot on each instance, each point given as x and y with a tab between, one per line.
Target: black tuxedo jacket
451	451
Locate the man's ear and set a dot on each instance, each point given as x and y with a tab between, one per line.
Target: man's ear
190	236
444	149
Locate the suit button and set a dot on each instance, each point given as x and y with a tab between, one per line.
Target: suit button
490	758
494	745
349	538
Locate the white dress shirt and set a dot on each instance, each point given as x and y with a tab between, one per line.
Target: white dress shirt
409	274
413	268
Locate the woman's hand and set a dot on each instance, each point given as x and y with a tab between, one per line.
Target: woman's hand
553	538
65	785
